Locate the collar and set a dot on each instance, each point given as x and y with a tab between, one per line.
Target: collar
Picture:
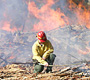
40	44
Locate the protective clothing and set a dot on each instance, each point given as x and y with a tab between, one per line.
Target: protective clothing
41	36
39	68
42	50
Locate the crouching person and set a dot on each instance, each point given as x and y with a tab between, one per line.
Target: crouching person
42	53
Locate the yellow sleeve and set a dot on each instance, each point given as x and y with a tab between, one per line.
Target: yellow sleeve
36	54
50	50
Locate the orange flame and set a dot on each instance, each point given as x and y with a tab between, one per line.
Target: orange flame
6	26
11	57
82	14
85	52
48	18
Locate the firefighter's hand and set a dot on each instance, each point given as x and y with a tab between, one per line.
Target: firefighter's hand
43	58
46	64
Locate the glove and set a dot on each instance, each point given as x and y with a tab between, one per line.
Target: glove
46	64
43	58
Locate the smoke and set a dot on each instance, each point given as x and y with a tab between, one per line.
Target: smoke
13	12
36	15
21	15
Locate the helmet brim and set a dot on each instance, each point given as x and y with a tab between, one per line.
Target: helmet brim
41	40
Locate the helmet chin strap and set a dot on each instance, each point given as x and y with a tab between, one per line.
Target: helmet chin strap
40	41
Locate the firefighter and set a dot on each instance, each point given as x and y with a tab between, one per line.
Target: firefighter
43	55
